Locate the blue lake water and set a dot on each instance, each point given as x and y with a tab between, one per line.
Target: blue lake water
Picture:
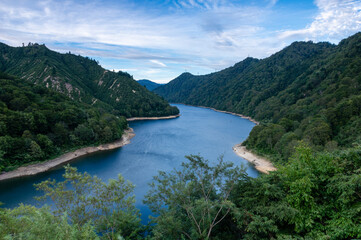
158	146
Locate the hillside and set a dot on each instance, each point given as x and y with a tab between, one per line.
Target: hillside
37	123
307	92
149	84
316	195
82	79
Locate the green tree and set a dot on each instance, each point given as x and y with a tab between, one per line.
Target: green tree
45	143
61	132
35	151
84	133
28	222
2	153
107	134
318	132
192	201
2	128
110	207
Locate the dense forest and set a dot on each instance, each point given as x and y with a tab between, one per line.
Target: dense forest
308	100
307	91
314	196
37	123
82	79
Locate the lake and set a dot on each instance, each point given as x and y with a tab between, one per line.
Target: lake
159	145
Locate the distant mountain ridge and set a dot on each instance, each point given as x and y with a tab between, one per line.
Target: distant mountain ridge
82	79
307	91
150	85
240	88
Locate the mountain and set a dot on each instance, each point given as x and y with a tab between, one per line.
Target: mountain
307	91
37	123
83	80
149	84
242	87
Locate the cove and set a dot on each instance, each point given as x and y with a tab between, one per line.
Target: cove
159	145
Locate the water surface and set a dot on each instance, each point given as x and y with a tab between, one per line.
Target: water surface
158	145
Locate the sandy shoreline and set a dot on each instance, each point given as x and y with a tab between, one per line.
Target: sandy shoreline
67	157
261	164
152	118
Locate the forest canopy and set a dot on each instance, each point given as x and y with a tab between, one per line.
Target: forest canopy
84	80
314	196
307	91
37	123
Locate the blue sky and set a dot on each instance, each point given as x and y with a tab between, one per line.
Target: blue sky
158	40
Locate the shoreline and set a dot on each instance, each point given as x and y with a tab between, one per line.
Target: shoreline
232	113
152	118
36	168
261	164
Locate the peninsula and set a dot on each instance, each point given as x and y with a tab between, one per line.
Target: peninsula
34	169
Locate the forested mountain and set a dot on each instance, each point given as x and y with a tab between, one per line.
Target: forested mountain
314	97
307	92
149	84
37	123
82	79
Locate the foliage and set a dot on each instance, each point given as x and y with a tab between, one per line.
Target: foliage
308	98
82	79
43	123
315	196
310	90
28	222
88	200
192	201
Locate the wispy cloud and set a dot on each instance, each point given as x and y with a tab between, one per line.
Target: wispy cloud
203	4
160	41
158	63
335	20
273	2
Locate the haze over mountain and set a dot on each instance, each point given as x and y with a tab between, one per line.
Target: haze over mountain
149	84
306	91
83	80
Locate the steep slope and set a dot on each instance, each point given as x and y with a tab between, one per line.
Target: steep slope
149	84
37	123
242	87
203	90
82	79
307	92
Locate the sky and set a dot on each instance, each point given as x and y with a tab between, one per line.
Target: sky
159	40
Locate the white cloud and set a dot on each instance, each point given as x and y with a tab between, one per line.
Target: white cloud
204	35
202	4
273	2
87	23
158	63
335	20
